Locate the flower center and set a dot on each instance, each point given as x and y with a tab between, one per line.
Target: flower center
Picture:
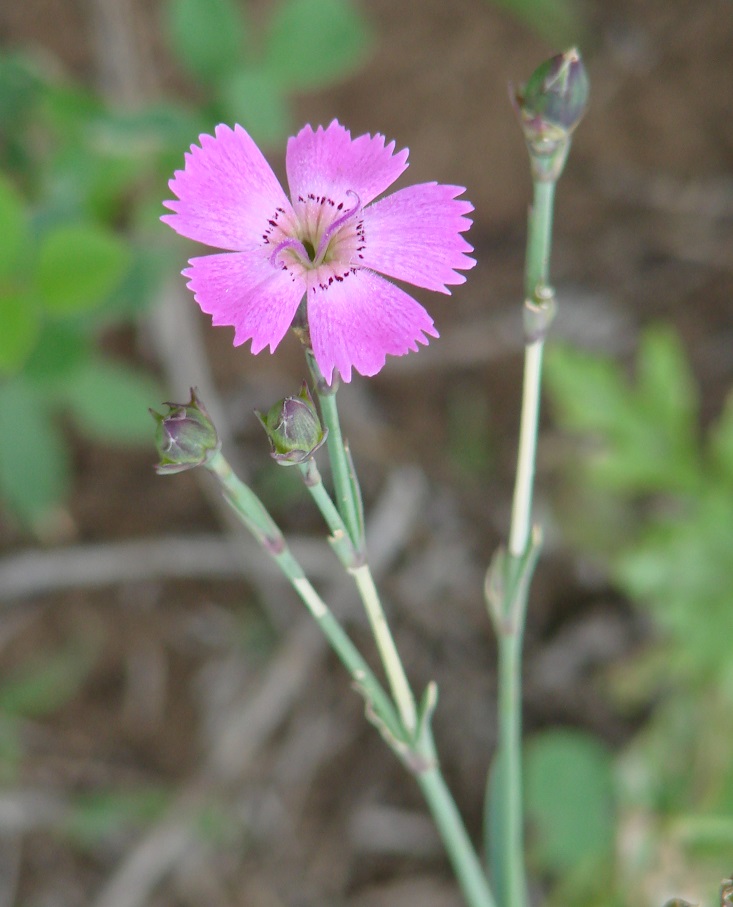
309	249
325	233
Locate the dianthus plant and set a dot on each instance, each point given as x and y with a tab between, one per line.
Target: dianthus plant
318	262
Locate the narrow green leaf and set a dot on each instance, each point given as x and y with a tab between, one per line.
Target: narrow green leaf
207	36
78	266
312	43
34	467
110	401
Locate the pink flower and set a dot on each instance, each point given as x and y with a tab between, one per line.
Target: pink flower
330	243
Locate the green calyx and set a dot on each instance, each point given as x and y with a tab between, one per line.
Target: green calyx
185	437
293	428
550	106
555	98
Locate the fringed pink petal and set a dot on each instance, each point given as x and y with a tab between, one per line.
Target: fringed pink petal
358	321
415	235
226	192
328	162
248	293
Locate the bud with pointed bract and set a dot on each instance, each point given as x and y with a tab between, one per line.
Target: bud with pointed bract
185	437
550	106
294	429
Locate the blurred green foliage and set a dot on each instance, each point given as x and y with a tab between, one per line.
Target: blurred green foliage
102	815
649	496
571	819
36	689
68	273
247	70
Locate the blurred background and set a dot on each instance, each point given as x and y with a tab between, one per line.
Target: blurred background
172	730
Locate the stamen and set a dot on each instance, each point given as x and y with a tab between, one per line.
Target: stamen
295	244
326	238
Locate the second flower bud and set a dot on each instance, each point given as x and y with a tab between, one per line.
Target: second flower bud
293	428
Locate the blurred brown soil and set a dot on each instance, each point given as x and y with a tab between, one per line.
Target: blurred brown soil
319	813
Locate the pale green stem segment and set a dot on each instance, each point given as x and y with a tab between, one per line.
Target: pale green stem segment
391	660
527	455
506	854
350	510
510	574
256	518
339	539
418	754
538	304
539	241
419	757
314	483
466	864
389	655
348	496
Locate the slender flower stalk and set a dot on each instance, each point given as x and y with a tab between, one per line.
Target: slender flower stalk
526	455
466	864
550	107
351	509
186	438
348	494
507	848
387	650
339	539
256	518
314	483
420	756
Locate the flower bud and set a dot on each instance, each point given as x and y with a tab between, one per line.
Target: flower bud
553	101
550	106
294	429
186	437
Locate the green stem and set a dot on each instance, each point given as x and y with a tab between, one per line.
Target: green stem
504	817
255	517
419	755
527	454
539	240
510	838
340	540
393	668
314	483
539	311
465	862
347	493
